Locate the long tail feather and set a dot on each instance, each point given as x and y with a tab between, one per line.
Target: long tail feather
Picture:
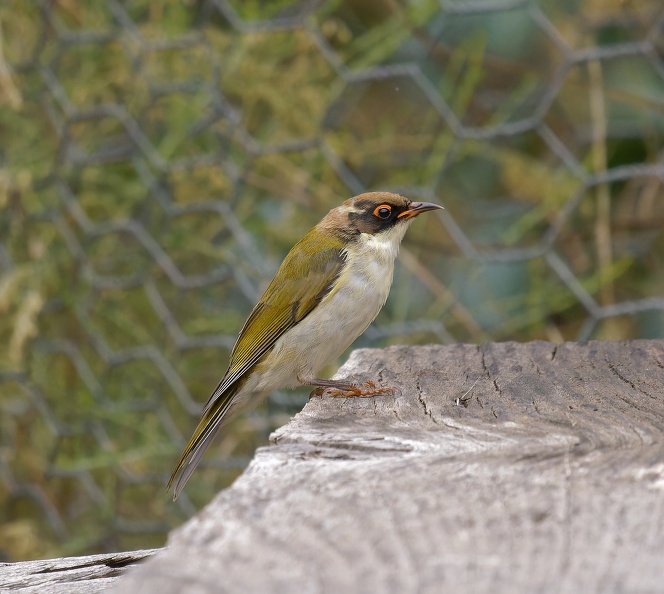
207	428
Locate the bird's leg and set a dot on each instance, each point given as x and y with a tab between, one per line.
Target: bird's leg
338	388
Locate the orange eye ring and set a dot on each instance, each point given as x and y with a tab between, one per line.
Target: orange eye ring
383	212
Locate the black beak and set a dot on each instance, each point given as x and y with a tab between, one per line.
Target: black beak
416	208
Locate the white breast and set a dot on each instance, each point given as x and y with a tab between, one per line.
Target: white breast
342	315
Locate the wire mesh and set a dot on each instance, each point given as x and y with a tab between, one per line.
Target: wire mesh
158	159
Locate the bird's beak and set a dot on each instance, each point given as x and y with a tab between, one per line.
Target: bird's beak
417	208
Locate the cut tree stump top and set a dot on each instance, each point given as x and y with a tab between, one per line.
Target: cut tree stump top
495	468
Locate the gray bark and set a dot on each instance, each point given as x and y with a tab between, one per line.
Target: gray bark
495	468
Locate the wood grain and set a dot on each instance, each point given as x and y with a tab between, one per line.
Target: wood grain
68	575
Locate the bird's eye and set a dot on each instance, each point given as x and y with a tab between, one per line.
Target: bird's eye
383	211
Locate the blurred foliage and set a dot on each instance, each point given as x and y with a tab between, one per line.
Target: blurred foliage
158	159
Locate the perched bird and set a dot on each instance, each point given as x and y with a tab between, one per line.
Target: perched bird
328	289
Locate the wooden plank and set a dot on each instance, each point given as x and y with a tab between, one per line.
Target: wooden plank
495	468
69	575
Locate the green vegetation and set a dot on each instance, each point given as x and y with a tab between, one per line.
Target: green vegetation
156	164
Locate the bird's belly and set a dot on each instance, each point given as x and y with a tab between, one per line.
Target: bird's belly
329	329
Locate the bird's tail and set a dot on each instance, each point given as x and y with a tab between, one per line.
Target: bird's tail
207	428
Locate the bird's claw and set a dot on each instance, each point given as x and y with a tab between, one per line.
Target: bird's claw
364	390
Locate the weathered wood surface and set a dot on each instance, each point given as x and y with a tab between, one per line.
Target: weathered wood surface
495	468
69	575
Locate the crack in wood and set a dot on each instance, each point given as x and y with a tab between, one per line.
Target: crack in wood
629	382
496	388
420	397
554	352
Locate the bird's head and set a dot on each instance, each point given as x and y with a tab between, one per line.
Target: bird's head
374	213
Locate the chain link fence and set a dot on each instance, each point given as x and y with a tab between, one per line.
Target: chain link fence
158	159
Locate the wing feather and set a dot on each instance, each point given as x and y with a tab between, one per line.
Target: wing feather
303	279
306	275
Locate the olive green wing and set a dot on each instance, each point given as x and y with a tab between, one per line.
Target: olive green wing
305	276
303	279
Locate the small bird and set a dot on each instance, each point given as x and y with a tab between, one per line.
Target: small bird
327	291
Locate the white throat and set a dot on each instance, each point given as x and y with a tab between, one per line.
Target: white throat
380	248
